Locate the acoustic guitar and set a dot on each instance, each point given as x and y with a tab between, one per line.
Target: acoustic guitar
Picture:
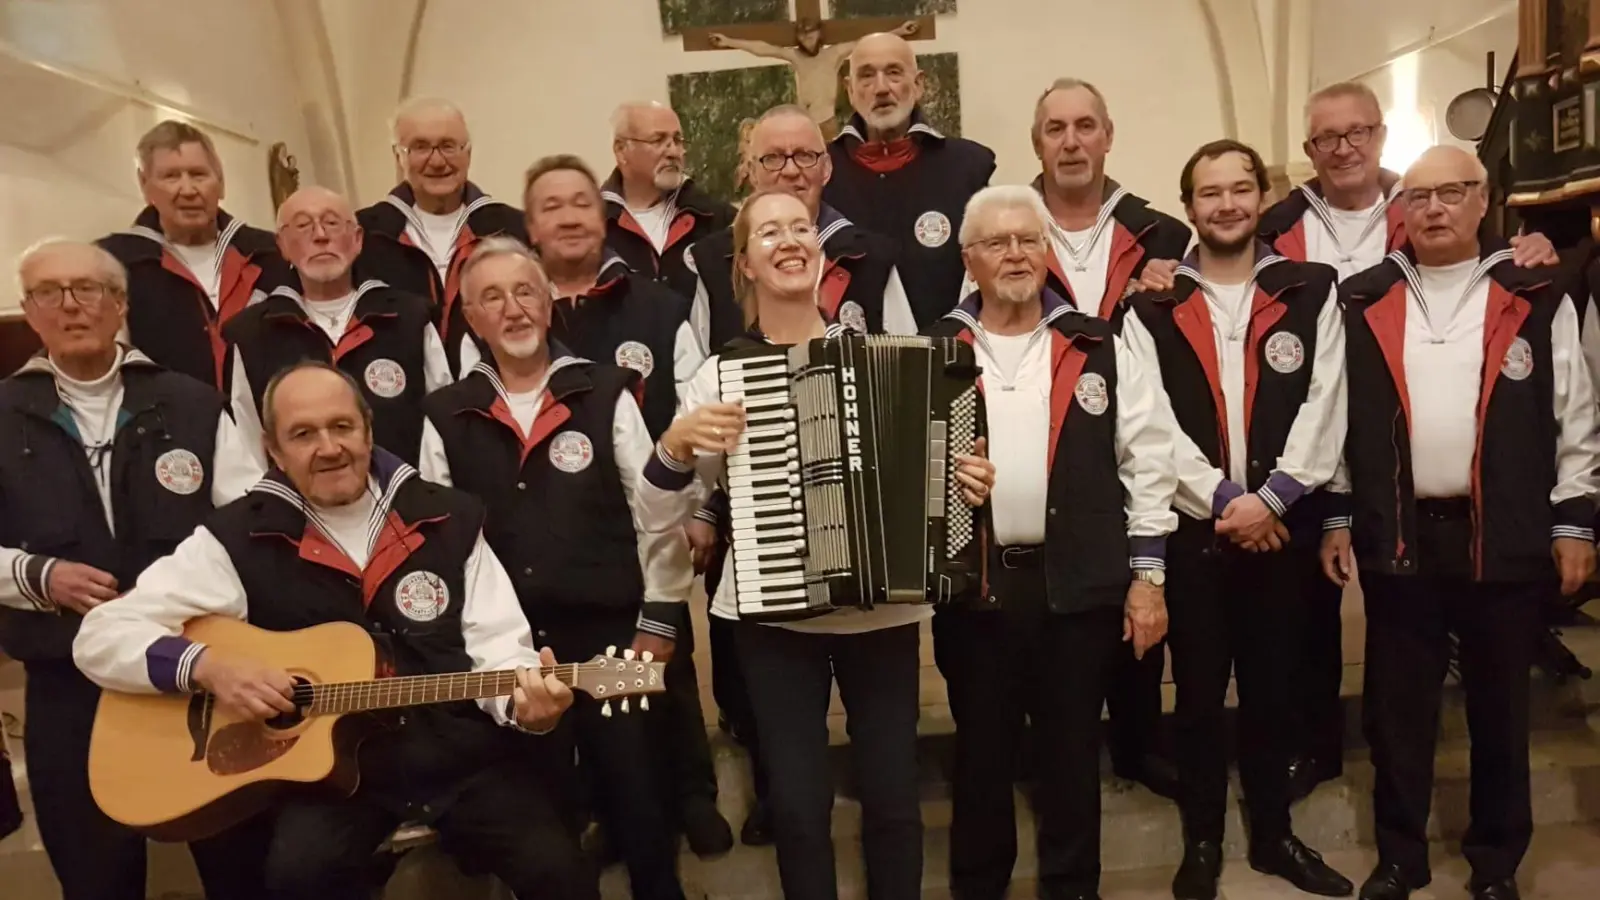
177	767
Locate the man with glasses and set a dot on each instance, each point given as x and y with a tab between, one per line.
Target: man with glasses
191	266
654	212
417	236
1076	528
861	287
555	445
1471	463
897	175
382	338
606	312
107	462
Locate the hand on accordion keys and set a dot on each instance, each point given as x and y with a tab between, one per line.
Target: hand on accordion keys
712	428
976	473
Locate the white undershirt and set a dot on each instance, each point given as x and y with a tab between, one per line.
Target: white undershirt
525	408
1229	305
655	223
201	261
1016	392
438	237
94	406
349	525
332	316
1359	241
1444	374
1089	285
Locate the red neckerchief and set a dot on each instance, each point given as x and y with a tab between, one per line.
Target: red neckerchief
883	157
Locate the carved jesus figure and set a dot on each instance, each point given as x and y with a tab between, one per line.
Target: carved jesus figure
816	67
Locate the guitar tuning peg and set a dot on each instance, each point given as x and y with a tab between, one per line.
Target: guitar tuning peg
605	709
611	650
644	702
628	653
647	656
624	704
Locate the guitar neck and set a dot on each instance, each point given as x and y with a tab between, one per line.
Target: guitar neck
419	690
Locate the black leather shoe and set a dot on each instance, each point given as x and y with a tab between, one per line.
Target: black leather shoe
757	830
1197	877
1385	883
704	827
1154	772
1505	889
1306	772
1301	866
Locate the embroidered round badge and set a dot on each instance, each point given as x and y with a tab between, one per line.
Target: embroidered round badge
421	596
1285	353
853	317
1091	393
932	228
1518	363
180	472
571	451
636	356
385	378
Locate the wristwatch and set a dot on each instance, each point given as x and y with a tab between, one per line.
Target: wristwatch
1152	577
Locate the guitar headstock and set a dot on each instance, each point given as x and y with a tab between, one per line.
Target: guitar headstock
612	677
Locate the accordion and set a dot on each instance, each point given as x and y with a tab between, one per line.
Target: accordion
842	488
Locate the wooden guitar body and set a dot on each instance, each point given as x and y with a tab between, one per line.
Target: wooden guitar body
177	768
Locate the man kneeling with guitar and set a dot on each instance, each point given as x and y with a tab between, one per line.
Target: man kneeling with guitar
338	532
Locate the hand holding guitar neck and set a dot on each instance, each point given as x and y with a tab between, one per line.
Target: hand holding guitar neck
248	690
539	700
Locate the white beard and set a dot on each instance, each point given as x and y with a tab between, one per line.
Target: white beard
524	348
889	121
1015	293
669	181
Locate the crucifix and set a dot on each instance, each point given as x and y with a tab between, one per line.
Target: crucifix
813	46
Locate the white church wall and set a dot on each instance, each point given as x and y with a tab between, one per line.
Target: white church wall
539	78
68	168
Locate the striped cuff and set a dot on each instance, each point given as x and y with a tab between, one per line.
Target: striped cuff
31	572
1225	493
706	514
1280	492
1147	552
1334	523
657	618
170	661
1577	532
667	473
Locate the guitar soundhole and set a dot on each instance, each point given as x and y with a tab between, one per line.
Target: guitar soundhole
286	721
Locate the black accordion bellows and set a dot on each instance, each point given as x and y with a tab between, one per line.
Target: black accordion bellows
842	490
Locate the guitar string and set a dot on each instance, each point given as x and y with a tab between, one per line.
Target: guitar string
380	692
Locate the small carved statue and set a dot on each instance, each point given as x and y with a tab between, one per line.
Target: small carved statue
282	173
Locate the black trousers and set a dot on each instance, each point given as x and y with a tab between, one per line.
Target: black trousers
500	821
790	675
1023	661
95	858
1133	705
620	759
1236	613
728	685
1319	675
1409	620
680	724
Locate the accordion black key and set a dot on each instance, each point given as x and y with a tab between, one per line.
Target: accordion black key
842	489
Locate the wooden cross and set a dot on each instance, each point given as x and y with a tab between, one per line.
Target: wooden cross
786	33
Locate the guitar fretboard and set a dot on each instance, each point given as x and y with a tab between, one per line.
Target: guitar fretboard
417	690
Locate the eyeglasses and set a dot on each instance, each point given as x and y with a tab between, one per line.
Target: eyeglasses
51	295
419	151
1450	193
661	142
1002	243
526	296
799	232
1357	137
774	162
332	226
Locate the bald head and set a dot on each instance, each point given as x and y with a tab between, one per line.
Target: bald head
885	84
647	141
432	142
318	235
1445	196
